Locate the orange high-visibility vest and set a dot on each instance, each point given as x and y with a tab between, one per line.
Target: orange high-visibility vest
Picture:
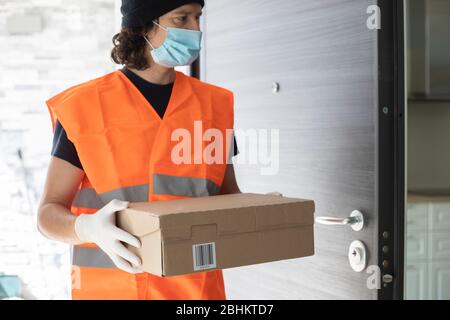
125	150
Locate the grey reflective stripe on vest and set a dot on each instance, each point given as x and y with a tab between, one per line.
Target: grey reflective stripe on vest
91	257
89	198
184	186
162	184
137	193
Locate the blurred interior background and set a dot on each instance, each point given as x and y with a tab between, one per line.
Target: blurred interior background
45	47
427	239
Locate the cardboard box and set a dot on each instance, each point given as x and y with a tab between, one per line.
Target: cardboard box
204	233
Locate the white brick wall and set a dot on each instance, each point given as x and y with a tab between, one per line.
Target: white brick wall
45	47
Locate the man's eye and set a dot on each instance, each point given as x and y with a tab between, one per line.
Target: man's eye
181	19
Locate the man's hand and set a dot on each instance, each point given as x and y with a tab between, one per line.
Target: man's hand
100	228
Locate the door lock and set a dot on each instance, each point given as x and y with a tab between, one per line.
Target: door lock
357	255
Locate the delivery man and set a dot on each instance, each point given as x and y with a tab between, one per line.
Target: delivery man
114	144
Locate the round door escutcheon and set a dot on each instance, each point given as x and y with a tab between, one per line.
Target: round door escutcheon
358	225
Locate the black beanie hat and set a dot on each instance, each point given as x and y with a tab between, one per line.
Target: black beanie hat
137	13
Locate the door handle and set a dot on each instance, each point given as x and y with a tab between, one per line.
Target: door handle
355	220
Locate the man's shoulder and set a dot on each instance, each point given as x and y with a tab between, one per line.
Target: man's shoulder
197	83
85	87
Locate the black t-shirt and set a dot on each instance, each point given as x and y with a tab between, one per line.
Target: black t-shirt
157	95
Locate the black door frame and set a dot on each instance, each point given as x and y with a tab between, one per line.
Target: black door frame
391	149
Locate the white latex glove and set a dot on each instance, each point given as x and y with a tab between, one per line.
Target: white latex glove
275	193
100	228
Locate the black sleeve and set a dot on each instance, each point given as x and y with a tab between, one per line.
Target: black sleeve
63	148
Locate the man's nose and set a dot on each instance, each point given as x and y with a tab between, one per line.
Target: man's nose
194	24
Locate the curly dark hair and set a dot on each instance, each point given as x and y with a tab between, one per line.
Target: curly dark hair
130	47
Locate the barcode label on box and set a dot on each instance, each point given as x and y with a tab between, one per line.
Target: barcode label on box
204	256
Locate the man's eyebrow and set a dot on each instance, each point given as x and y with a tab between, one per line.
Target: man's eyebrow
186	12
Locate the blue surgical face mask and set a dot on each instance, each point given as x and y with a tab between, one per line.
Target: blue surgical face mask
180	48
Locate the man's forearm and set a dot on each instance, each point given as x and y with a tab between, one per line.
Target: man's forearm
56	222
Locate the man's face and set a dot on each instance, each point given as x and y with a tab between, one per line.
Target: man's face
184	17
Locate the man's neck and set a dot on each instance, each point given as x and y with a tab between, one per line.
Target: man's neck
156	74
